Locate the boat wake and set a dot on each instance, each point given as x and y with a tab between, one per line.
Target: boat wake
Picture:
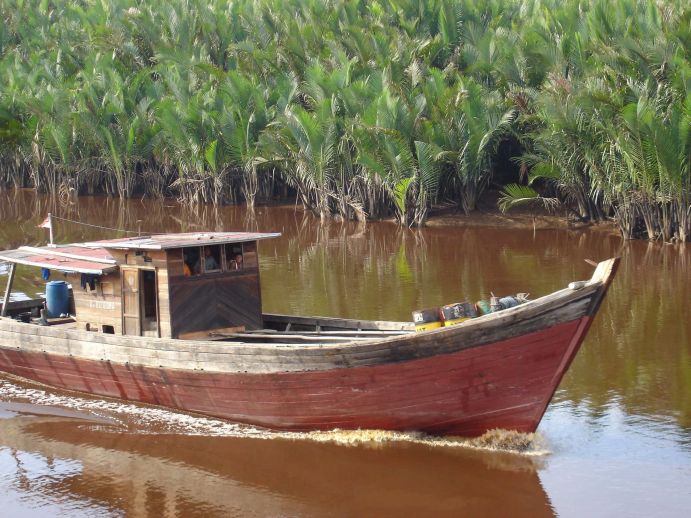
19	397
510	441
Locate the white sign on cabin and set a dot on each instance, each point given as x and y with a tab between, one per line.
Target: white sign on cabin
101	304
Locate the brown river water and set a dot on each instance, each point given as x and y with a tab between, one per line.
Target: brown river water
615	441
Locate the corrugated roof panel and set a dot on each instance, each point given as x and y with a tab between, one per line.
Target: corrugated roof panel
94	257
70	258
182	240
76	251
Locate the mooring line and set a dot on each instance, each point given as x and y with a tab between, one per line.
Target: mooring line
103	227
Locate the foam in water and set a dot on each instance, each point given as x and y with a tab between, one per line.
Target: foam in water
145	419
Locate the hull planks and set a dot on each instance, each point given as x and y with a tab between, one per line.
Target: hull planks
496	371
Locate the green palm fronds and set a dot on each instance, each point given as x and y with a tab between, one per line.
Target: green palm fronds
514	195
374	109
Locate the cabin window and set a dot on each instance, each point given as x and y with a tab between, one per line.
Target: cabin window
211	258
109	330
217	258
234	257
190	259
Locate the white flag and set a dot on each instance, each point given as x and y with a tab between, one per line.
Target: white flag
46	223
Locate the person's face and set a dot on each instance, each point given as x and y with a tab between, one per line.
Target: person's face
207	252
238	258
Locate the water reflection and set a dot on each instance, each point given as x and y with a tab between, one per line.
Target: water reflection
61	459
639	351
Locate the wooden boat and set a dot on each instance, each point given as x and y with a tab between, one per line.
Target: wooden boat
141	329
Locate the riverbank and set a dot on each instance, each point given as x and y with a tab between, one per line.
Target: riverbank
488	214
488	218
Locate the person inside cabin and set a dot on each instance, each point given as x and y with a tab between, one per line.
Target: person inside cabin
186	270
190	257
210	262
234	257
236	263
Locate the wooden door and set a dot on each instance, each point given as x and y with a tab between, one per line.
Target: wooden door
131	309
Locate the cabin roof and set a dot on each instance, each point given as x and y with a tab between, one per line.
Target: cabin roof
75	258
181	240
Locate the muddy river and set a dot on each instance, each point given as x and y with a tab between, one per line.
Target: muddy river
615	441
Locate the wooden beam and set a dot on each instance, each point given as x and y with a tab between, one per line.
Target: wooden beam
24	305
203	335
289	337
328	333
342	323
156	294
8	290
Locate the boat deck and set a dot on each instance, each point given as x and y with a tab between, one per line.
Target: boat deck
308	337
279	329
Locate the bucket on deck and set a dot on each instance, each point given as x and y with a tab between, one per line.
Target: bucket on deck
426	319
456	313
508	302
57	298
483	307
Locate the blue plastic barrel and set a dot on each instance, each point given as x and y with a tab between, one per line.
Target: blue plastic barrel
57	298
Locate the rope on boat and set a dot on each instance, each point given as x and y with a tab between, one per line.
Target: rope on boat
98	226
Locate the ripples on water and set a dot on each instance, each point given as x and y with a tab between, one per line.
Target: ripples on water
627	465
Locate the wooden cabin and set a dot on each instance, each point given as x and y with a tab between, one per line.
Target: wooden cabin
184	286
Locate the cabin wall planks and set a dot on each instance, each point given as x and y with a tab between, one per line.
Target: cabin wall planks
185	305
98	307
156	260
215	301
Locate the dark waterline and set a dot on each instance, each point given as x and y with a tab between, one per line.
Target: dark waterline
619	428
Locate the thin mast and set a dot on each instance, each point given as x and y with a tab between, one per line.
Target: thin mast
50	228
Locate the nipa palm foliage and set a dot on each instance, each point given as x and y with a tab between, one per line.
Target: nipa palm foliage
361	109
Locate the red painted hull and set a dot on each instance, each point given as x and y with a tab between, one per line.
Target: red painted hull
505	384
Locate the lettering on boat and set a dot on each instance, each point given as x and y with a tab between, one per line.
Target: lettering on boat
101	304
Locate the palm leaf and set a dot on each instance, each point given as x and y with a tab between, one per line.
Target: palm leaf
428	168
401	194
210	155
514	195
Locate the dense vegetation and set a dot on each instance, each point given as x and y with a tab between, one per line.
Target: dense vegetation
364	109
